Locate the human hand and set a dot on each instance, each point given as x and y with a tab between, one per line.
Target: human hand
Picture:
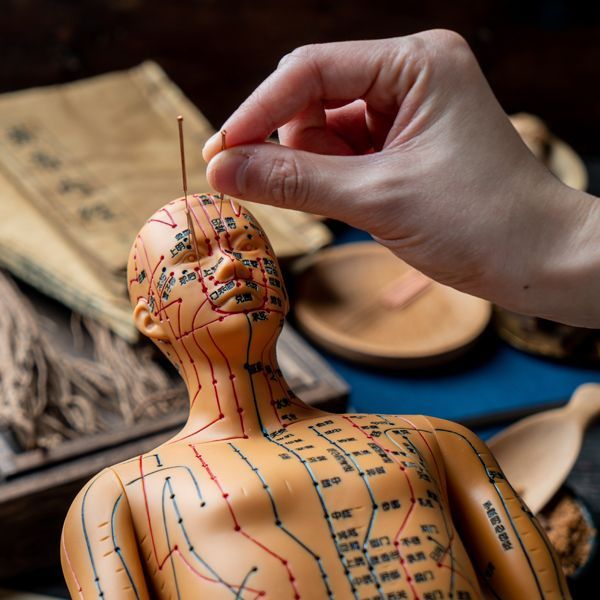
404	138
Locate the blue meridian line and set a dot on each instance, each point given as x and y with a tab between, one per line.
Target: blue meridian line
325	511
501	498
263	429
188	541
87	540
137	458
191	474
244	582
374	505
164	515
449	532
117	548
278	520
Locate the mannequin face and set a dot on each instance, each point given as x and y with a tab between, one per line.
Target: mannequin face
180	285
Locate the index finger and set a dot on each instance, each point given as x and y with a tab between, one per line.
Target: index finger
335	72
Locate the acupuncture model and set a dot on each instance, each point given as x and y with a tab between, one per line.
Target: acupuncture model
262	496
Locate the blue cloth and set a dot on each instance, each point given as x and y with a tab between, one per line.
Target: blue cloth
492	379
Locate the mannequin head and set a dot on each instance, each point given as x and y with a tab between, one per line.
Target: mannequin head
221	282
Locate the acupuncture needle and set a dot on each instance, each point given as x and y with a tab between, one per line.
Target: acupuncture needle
185	191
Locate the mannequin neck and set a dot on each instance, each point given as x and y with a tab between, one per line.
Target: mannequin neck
238	395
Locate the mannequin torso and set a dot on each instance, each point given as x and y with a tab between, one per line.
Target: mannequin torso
261	495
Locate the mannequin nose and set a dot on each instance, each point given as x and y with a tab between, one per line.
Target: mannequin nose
231	267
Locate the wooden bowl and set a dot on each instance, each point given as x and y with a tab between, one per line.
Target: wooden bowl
352	300
566	164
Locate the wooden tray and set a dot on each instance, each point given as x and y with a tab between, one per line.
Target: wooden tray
346	302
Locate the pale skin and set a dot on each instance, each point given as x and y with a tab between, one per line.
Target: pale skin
260	495
404	138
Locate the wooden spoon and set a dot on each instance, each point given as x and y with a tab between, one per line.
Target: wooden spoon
538	452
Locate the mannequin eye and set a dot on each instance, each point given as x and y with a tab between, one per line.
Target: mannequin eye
247	244
188	256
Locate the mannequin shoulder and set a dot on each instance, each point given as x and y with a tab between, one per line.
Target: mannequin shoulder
98	496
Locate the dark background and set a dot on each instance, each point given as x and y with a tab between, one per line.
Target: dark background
542	56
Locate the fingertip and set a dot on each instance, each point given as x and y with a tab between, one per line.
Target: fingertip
225	172
211	147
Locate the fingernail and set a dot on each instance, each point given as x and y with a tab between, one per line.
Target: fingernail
226	172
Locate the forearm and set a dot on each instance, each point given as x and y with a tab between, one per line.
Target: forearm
549	264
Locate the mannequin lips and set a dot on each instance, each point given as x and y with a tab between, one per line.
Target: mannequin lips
230	289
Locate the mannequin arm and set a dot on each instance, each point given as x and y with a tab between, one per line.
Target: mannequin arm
99	553
503	539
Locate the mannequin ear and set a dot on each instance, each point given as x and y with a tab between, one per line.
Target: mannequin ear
146	324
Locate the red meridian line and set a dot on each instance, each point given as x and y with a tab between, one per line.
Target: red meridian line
162	222
199	327
212	375
179	318
175	550
236	279
193	363
148	509
458	573
238	528
171	222
412	501
262	358
79	588
258	283
446	548
178	301
236	213
218	236
152	271
235	396
175	351
195	315
160	292
424	439
266	285
207	241
189	435
195	396
231	437
135	251
188	353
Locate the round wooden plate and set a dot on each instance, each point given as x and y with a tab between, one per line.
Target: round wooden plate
565	163
363	303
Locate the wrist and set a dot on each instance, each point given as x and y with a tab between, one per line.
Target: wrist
560	279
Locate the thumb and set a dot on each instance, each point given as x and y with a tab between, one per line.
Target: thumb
272	174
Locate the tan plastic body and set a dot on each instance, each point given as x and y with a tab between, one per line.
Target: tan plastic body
261	496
